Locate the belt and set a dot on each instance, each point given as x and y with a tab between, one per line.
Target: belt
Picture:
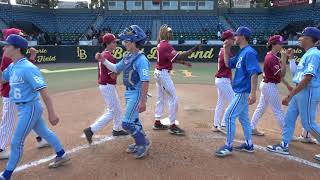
270	82
163	69
21	103
130	88
106	84
222	77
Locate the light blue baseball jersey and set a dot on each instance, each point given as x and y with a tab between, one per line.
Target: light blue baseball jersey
131	65
25	81
246	63
309	64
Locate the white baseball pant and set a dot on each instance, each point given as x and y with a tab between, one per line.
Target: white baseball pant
165	92
9	116
225	94
269	96
7	125
110	95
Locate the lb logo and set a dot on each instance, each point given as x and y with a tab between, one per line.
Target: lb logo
81	53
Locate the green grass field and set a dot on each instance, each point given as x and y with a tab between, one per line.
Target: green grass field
74	77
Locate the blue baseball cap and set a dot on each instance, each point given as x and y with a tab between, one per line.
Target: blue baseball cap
311	32
243	31
15	40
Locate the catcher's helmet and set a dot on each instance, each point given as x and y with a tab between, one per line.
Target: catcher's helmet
134	34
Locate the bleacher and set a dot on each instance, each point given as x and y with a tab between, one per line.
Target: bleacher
70	25
270	22
118	22
189	26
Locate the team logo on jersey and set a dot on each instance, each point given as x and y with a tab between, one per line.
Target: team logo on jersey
238	65
15	79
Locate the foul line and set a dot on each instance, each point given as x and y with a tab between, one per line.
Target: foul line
109	138
72	151
288	157
46	71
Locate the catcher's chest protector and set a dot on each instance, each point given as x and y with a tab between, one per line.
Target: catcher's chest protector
130	74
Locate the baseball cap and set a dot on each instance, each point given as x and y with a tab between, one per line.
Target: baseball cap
243	31
276	39
311	32
15	40
228	34
107	38
9	31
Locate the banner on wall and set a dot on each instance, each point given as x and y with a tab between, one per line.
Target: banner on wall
283	3
85	54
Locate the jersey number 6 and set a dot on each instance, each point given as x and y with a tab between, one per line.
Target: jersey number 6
17	93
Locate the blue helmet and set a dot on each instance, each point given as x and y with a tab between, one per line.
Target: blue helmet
134	34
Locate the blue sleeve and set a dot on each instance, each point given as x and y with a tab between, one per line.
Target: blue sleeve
252	63
120	66
233	62
312	65
142	66
6	74
35	79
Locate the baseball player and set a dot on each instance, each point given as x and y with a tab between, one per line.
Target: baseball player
135	67
9	108
305	136
274	71
26	84
107	84
223	83
304	98
244	85
166	55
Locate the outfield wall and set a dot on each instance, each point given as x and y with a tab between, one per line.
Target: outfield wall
85	54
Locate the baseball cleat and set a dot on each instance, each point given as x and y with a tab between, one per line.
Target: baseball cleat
120	133
317	157
175	130
245	148
142	150
278	148
88	133
224	151
295	138
223	130
215	129
307	140
4	155
160	126
42	144
255	132
59	161
132	148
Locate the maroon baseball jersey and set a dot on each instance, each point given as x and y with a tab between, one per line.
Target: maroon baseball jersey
103	72
223	70
166	54
5	62
272	69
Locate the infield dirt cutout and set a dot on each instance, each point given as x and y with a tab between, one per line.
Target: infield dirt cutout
170	157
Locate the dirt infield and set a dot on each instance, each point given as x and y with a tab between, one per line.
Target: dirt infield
171	157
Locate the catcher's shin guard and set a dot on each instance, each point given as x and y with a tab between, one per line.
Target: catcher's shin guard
136	131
